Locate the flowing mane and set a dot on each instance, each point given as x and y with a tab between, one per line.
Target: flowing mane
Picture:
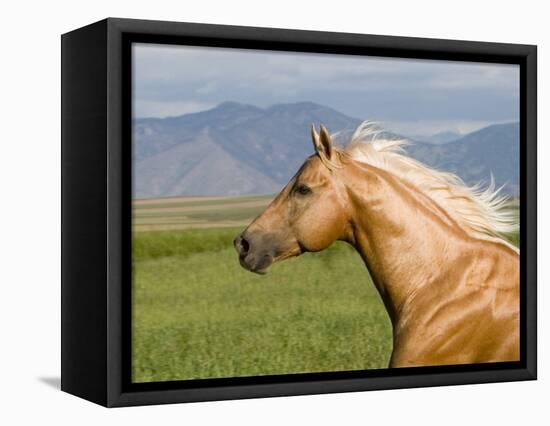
482	212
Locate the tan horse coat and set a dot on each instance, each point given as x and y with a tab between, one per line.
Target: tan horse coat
452	293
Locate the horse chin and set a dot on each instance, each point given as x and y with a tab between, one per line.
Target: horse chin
257	264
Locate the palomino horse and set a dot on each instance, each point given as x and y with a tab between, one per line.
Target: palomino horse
449	282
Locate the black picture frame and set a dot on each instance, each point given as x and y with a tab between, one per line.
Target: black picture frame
96	211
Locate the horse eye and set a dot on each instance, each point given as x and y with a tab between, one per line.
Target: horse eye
303	189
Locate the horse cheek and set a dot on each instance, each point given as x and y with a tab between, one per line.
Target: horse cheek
316	233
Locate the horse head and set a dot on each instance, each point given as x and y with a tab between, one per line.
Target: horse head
308	215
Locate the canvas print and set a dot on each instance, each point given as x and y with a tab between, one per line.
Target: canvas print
305	213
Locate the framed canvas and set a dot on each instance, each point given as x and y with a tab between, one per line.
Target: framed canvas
256	212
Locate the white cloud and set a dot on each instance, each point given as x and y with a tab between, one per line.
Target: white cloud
177	79
162	109
209	87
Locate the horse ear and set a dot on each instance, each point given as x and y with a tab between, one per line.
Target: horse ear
315	138
326	141
322	143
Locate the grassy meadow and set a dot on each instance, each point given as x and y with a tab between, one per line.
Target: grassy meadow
198	314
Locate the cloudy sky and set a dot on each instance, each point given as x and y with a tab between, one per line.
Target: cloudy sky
412	97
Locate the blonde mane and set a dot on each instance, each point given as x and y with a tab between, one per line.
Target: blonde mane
481	212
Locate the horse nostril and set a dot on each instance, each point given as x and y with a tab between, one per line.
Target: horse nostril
242	245
245	246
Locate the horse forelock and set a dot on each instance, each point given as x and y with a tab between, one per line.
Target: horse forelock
481	210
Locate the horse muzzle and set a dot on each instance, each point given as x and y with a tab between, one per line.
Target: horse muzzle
254	254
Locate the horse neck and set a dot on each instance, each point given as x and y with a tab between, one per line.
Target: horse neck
402	235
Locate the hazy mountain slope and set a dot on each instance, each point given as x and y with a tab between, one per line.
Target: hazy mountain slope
236	149
261	149
200	167
442	137
493	149
278	141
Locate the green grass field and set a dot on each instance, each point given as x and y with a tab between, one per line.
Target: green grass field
198	314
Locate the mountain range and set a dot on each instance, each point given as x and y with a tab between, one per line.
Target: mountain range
238	149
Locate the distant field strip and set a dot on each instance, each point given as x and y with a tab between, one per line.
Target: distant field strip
196	212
